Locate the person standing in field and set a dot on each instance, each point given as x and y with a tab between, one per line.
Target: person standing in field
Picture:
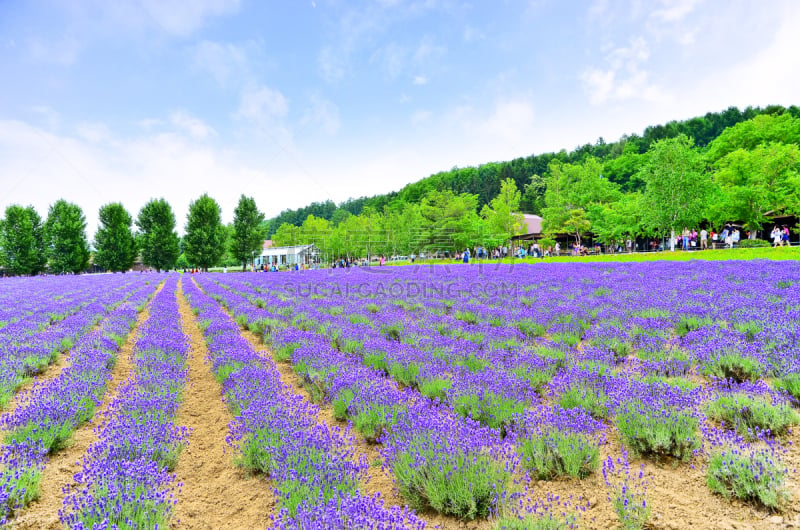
785	236
703	239
776	236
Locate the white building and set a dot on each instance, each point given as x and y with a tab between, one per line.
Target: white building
307	254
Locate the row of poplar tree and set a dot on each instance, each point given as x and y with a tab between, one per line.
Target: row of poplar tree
59	245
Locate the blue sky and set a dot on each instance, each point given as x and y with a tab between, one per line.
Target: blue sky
295	101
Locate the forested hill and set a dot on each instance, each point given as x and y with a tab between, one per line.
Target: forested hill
529	172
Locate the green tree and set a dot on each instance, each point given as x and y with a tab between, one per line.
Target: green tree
572	190
502	216
757	183
247	237
617	221
115	246
205	235
157	239
287	235
65	238
448	220
677	190
23	241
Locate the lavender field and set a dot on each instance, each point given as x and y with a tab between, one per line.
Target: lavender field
657	395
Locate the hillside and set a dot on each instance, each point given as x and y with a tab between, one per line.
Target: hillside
528	173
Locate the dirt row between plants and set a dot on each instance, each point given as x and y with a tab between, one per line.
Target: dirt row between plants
61	468
215	494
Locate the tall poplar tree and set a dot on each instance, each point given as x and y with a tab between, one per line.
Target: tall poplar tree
157	239
65	238
205	235
248	235
114	242
23	241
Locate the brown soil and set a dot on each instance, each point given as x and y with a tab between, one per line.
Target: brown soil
215	493
58	474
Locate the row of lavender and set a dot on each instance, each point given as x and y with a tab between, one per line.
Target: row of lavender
48	414
602	338
126	480
63	310
314	473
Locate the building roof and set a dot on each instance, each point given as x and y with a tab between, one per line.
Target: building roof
533	223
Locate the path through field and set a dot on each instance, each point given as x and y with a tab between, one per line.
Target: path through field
215	493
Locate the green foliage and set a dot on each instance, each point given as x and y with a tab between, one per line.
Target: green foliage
435	388
691	323
205	235
658	433
754	243
572	190
555	453
752	417
248	236
114	242
157	239
375	421
22	240
489	409
755	478
735	366
449	481
535	522
501	214
677	190
65	238
789	383
594	401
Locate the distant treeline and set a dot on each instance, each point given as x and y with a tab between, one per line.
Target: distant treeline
530	173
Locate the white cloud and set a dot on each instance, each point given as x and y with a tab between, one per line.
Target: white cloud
183	18
93	133
674	10
39	167
420	80
224	62
625	78
332	64
195	127
322	114
262	104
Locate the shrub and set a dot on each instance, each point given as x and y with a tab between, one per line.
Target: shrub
376	420
752	417
436	388
594	401
753	243
405	374
489	409
734	366
554	453
450	482
690	323
753	477
284	353
658	431
530	329
790	383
